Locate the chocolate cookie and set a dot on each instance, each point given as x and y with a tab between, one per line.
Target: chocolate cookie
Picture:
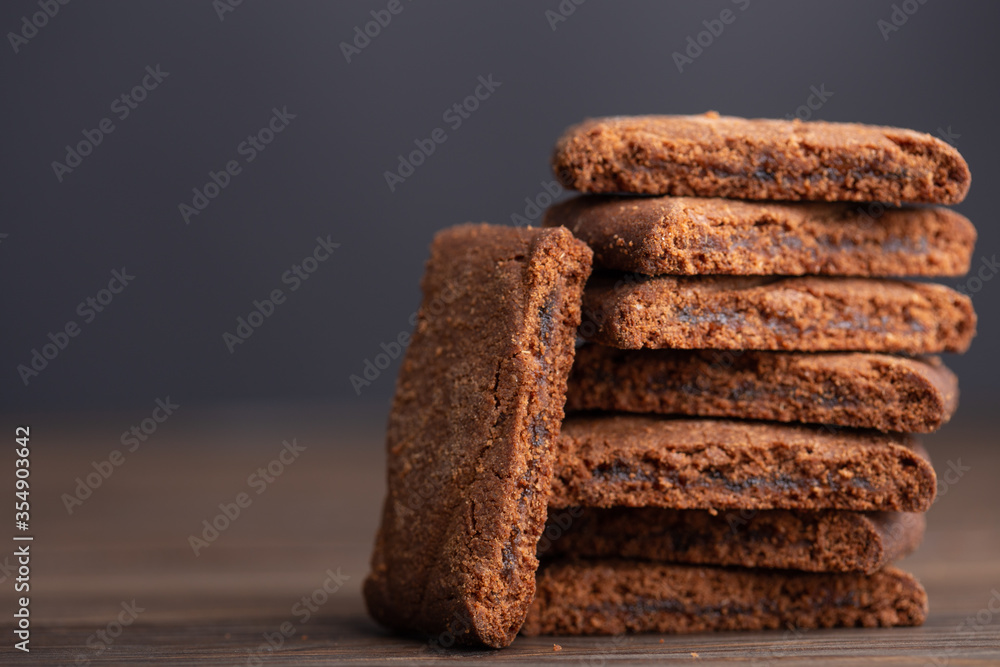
477	409
827	541
863	390
806	314
616	596
723	156
697	236
646	461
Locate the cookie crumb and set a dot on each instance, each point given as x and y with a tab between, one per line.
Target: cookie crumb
556	647
694	655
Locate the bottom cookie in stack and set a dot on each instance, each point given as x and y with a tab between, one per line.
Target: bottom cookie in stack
613	596
685	525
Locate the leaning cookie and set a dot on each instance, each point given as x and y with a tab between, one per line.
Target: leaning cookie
698	236
610	597
856	389
477	410
724	156
804	314
647	461
824	541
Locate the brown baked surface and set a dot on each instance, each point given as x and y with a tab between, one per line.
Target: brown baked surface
610	597
724	156
807	314
649	461
697	236
858	389
825	541
477	410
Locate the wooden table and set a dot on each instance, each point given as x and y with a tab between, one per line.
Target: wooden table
128	544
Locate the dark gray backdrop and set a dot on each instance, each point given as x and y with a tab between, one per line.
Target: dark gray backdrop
323	175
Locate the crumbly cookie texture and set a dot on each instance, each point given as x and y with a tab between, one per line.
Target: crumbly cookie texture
806	314
478	407
824	541
610	597
724	156
647	461
858	389
698	236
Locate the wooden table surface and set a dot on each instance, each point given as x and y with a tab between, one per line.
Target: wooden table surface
126	546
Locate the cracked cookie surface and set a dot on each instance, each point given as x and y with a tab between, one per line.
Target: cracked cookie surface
478	406
857	389
684	463
610	597
724	156
697	236
823	541
805	314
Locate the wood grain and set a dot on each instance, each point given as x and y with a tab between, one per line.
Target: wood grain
129	541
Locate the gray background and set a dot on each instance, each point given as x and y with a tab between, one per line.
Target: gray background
324	174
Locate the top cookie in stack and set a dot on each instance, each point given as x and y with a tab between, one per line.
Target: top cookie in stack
718	156
759	282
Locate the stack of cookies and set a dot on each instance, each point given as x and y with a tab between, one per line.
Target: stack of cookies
738	454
